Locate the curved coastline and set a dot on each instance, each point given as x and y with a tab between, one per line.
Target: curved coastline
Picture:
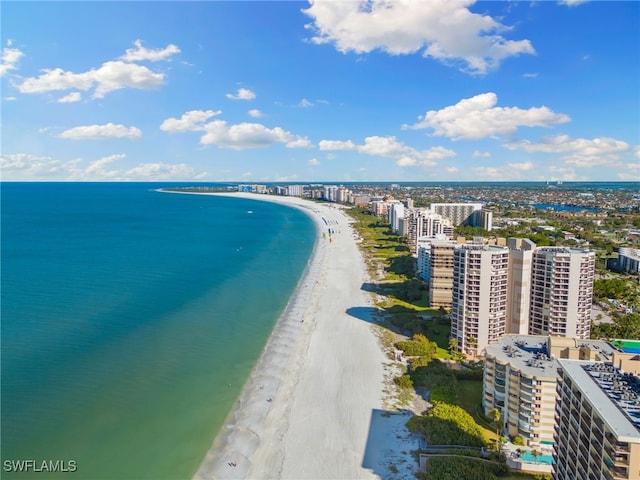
305	410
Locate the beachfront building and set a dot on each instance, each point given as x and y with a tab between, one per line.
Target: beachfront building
457	213
520	381
421	222
628	260
483	218
435	266
479	300
380	207
597	422
335	193
561	292
519	291
253	188
396	213
289	190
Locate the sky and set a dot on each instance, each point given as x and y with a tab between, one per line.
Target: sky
333	91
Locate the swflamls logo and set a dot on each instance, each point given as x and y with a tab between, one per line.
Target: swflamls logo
31	465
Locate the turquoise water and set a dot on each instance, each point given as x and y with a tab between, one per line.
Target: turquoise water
527	457
132	318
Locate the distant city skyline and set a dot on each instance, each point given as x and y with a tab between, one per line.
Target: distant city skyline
339	91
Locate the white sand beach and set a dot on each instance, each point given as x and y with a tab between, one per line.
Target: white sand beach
307	409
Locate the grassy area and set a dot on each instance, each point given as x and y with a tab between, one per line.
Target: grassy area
470	397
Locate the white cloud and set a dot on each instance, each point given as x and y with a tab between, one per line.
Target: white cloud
390	147
336	145
111	76
564	143
239	137
446	31
22	166
255	113
101	132
479	154
115	75
563	173
71	98
452	169
300	142
10	57
488	173
632	173
243	94
190	121
524	166
313	162
580	152
304	103
248	135
140	53
571	3
478	117
25	167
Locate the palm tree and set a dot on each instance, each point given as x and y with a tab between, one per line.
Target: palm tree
495	417
535	454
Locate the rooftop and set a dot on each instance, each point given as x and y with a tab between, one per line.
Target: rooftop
530	353
527	353
612	393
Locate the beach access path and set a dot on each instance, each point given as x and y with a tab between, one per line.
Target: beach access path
306	410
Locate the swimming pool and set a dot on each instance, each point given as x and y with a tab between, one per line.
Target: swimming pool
528	457
627	346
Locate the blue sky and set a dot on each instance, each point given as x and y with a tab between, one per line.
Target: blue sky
320	91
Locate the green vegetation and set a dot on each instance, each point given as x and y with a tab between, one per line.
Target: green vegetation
455	468
618	288
418	346
625	326
456	396
447	424
404	381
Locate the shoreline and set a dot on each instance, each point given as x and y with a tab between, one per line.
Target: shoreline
239	438
310	403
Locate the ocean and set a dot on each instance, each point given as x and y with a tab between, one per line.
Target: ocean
131	319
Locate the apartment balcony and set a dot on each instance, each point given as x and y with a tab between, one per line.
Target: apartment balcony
617	447
619	473
618	459
596	444
582	468
586	419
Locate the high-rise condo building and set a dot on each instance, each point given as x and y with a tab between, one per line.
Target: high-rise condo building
519	293
457	213
479	303
424	223
629	260
561	292
435	264
396	213
520	381
597	422
483	218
